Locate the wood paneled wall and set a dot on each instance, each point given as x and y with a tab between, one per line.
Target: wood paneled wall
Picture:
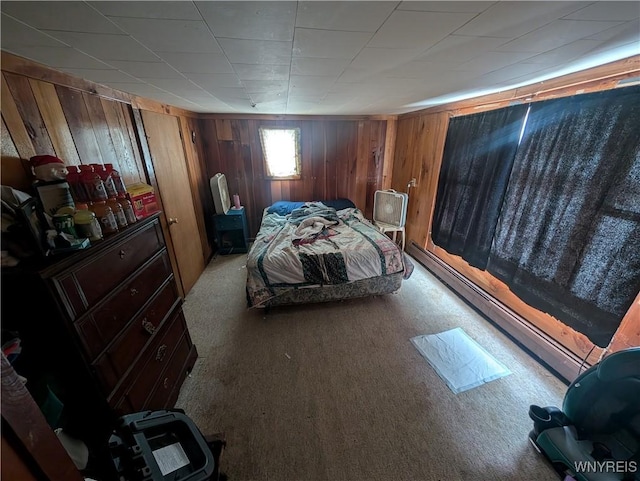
418	154
341	158
40	118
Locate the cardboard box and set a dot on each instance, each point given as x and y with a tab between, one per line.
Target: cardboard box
142	199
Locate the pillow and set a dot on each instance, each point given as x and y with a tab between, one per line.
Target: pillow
284	207
339	204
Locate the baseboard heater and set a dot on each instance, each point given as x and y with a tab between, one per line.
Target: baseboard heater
567	364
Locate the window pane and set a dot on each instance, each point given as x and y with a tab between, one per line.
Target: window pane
281	149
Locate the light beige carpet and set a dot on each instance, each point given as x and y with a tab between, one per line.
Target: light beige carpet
338	392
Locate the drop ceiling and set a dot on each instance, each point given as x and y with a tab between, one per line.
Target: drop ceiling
318	57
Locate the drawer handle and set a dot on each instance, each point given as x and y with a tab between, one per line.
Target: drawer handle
162	350
173	220
121	253
147	326
133	291
165	383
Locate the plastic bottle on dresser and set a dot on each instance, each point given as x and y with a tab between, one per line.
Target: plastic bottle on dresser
105	216
75	184
118	212
93	184
117	180
86	223
128	209
106	178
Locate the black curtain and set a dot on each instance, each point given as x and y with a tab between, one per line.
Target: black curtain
568	237
478	157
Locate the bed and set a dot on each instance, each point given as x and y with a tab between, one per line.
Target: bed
320	251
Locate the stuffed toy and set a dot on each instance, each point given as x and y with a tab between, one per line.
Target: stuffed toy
48	168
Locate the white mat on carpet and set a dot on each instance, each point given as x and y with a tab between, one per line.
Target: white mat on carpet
459	360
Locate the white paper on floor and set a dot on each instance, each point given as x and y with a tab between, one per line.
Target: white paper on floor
459	360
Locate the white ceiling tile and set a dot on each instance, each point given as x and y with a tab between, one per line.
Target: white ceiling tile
201	63
68	16
227	94
508	73
59	57
351	16
146	69
273	96
304	96
413	61
628	30
302	106
216	79
417	29
256	51
318	66
105	46
273	107
162	35
564	53
513	19
141	89
608	11
555	34
261	72
607	51
384	85
250	20
123	86
172	84
102	76
491	61
328	43
145	9
257	86
319	81
450	6
419	69
17	34
459	48
382	58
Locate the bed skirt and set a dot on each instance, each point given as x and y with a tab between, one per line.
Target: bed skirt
362	288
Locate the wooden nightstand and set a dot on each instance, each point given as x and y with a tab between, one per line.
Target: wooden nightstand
232	233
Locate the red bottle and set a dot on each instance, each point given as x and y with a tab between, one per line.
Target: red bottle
106	178
75	184
93	184
117	180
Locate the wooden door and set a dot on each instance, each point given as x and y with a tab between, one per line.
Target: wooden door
169	163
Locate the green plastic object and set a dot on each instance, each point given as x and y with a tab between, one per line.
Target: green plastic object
596	436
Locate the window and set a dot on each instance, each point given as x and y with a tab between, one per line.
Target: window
281	150
550	209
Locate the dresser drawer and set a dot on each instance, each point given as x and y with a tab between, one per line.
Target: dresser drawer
121	354
146	372
170	378
86	284
101	325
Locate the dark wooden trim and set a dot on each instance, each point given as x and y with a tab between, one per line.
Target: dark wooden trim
27	422
536	341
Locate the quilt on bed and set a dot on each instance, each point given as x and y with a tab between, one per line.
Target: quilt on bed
316	245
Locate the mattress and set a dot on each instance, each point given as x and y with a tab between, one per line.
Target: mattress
317	247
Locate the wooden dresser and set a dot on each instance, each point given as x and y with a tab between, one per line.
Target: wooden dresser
106	325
